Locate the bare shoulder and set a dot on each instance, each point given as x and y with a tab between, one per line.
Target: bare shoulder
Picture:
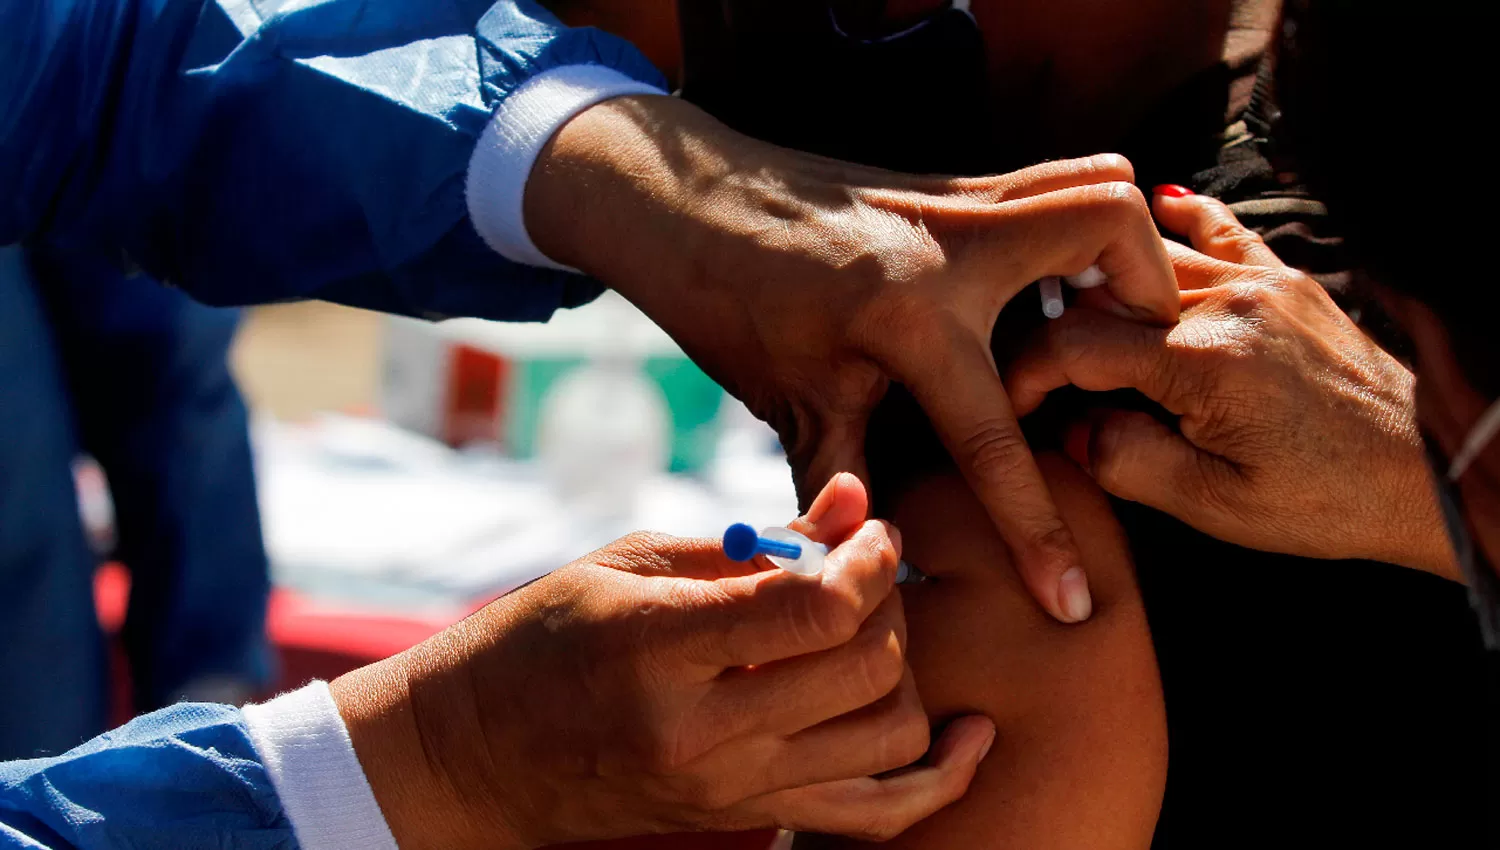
1080	758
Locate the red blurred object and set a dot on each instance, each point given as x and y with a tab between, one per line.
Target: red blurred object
476	391
319	641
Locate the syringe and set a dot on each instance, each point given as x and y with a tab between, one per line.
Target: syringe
793	552
1051	289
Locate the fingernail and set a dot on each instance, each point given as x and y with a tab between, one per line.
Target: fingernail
1073	596
823	502
1172	190
988	743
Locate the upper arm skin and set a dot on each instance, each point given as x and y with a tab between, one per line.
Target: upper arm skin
1080	755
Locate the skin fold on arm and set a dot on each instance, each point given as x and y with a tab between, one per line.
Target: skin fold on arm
1080	756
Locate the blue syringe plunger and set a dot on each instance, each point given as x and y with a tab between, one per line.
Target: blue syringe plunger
792	552
783	547
742	542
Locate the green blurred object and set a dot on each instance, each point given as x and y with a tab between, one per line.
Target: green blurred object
692	398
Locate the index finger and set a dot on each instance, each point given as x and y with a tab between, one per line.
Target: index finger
1108	225
1036	179
773	615
956	384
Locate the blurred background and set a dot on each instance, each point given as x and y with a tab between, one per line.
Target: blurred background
408	472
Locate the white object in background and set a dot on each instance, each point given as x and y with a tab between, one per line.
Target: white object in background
603	432
415	376
361	511
96	507
749	472
425	363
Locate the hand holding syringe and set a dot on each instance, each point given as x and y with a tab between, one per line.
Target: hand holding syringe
792	551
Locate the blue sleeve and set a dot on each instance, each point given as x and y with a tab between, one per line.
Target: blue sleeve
185	777
259	150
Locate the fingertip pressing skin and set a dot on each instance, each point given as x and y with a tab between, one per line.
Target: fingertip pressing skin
838	509
1073	595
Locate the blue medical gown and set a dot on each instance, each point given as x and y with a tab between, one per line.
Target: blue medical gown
261	150
184	777
252	151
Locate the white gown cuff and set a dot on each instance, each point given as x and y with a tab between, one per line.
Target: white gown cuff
305	748
526	120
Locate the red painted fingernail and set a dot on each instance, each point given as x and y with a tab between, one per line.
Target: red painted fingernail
1172	190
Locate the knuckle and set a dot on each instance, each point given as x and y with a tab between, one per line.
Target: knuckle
910	740
1296	280
1246	242
879	826
641	552
1221	227
1224	231
1123	199
876	549
1052	541
639	541
988	189
660	755
997	450
1112	163
1250	297
832	619
880	665
706	794
695	596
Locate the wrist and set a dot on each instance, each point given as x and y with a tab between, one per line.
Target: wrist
1424	543
625	190
421	805
1415	535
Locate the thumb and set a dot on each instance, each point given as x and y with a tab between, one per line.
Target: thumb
837	512
1135	457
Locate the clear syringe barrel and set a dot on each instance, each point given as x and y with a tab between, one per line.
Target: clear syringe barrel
807	562
783	547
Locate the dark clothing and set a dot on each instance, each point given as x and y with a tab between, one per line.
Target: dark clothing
1305	699
136	375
